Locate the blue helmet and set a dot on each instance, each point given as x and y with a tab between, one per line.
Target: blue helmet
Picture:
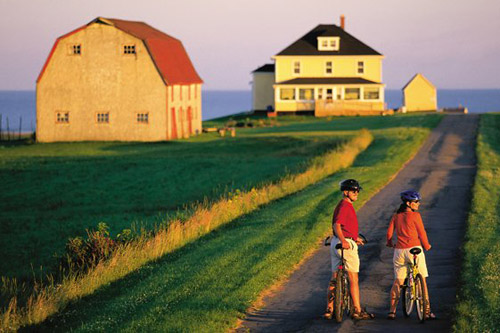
410	195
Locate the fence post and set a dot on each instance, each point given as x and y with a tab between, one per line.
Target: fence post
0	127
8	129
20	126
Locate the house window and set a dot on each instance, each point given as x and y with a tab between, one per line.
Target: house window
328	43
352	93
129	49
75	49
103	117
62	117
306	94
296	67
371	93
287	94
320	93
329	67
361	67
143	118
329	93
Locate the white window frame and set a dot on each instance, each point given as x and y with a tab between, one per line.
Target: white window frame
332	43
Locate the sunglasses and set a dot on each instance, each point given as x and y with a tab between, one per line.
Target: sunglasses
415	201
355	191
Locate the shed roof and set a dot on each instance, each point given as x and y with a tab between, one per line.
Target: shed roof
168	53
308	44
419	76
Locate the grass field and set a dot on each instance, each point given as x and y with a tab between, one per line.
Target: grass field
207	285
51	192
478	308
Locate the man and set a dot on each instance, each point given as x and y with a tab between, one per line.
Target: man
345	231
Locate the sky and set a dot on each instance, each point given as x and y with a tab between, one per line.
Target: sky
454	43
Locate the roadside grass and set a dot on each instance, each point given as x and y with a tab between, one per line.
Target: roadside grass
478	309
51	192
208	284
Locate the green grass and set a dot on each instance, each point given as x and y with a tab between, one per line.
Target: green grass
478	309
208	284
51	192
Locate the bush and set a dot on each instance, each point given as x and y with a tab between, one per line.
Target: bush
82	254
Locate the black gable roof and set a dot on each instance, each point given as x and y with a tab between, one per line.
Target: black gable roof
308	44
269	68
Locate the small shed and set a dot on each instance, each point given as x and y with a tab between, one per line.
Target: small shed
420	94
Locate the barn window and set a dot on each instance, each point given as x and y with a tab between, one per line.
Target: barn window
62	117
103	117
129	49
75	49
143	118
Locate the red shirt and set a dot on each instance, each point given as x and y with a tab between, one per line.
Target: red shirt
409	230
345	215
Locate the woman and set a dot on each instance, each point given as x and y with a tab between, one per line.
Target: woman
410	233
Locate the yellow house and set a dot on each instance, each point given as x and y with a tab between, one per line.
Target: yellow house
117	80
329	72
420	94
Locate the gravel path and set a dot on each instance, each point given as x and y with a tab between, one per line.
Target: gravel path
443	171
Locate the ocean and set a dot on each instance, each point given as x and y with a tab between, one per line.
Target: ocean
19	107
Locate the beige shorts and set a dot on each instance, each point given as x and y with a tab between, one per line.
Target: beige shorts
351	256
403	257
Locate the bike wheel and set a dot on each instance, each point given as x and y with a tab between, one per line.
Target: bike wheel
407	298
348	306
420	299
338	306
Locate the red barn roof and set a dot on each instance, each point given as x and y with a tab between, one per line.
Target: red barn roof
167	52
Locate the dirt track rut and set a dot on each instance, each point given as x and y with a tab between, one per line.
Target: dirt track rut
443	171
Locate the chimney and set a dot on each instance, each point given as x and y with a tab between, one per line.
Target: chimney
342	22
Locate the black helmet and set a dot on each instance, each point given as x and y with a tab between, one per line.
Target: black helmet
410	195
350	185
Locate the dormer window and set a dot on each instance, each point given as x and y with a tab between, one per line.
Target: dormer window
328	43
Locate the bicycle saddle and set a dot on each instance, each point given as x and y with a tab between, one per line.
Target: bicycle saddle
415	251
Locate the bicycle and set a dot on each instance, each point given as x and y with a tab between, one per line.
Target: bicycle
342	300
413	289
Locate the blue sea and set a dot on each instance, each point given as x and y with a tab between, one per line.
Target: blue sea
20	106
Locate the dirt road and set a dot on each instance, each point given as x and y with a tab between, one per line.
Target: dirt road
443	171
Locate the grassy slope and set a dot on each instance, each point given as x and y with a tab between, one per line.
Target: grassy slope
206	285
51	192
479	303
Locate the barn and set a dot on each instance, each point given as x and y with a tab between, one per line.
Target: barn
117	80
